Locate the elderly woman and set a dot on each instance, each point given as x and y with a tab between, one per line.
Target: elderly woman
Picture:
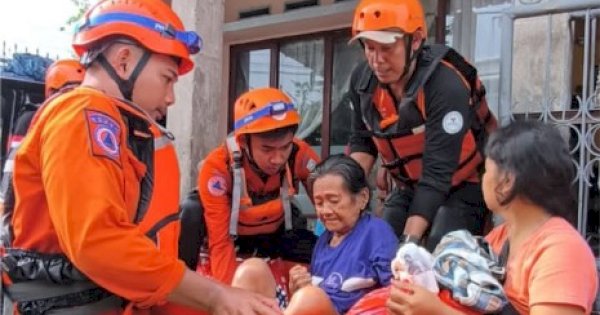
353	255
550	267
351	258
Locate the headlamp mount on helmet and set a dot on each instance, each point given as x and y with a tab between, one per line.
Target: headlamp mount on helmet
273	109
189	39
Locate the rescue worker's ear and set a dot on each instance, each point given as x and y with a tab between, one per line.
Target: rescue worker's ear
123	58
124	55
244	141
418	39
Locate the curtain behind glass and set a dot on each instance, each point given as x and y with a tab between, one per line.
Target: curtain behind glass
301	75
345	58
252	70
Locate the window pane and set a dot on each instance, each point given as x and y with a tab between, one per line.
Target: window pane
253	70
301	66
485	34
343	55
430	7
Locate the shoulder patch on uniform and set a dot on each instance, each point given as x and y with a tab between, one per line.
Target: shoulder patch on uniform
217	186
452	122
105	135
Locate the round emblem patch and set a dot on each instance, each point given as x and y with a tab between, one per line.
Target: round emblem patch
217	186
452	122
107	140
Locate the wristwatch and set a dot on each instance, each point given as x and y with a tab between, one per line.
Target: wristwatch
410	239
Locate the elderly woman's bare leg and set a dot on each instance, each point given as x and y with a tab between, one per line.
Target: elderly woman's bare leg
310	300
255	275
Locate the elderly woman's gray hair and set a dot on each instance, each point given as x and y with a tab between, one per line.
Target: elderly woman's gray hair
344	166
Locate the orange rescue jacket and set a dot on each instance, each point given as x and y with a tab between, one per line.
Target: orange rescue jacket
264	215
89	185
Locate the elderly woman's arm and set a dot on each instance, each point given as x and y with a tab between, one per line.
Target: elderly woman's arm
299	277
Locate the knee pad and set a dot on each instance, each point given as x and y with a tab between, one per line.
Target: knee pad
442	224
450	219
193	229
395	210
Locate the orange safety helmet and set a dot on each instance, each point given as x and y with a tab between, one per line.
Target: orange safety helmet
61	73
378	15
152	23
262	110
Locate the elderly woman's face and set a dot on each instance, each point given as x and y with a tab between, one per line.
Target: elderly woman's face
336	206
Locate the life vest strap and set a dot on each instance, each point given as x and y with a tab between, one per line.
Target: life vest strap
287	207
39	296
240	199
39	282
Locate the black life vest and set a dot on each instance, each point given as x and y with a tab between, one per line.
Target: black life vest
402	152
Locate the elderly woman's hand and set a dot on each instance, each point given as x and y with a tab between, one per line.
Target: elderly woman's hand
409	299
299	277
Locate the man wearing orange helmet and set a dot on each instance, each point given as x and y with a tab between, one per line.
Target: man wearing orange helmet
61	74
422	109
96	180
245	186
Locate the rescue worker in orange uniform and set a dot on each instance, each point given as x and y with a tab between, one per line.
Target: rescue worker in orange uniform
91	235
246	184
422	109
61	74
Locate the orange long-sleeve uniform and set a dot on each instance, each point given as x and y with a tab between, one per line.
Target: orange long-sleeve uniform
215	189
78	193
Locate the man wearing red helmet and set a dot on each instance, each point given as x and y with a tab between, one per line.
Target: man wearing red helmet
422	109
96	180
245	187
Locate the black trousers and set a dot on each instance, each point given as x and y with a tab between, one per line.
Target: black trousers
464	209
295	245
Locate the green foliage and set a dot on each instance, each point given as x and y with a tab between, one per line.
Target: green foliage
81	6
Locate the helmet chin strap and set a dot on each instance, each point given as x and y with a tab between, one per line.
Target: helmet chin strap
410	56
247	149
125	85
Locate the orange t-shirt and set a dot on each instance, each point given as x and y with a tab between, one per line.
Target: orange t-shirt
554	266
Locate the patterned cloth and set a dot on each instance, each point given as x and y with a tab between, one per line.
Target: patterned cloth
466	265
281	296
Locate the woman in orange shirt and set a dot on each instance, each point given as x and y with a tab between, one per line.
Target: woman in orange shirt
528	182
